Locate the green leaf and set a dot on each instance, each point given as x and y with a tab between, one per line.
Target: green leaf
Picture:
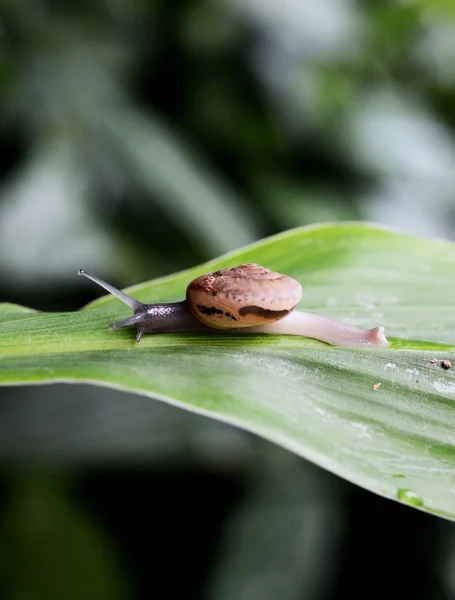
315	400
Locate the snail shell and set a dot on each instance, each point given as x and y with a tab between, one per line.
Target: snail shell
242	296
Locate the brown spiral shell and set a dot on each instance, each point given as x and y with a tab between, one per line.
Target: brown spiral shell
243	296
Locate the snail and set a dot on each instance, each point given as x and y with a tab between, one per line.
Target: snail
248	297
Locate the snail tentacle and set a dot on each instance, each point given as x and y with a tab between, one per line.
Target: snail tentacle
128	300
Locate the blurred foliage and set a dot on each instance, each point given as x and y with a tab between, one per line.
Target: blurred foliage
41	529
141	137
183	131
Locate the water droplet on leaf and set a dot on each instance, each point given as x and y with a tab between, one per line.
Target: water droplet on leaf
409	497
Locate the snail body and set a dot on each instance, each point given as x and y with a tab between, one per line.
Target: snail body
247	298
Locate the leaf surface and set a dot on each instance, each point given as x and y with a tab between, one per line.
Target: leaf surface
321	402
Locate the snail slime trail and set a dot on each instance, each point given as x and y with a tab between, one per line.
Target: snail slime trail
243	299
